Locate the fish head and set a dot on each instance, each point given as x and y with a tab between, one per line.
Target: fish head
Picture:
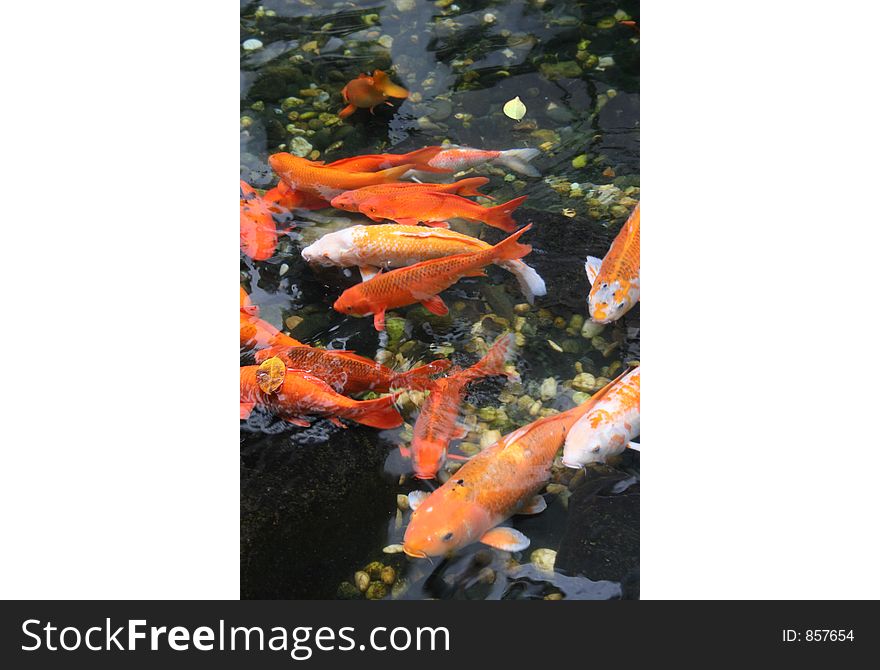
445	521
583	444
332	249
285	165
428	456
353	302
362	92
346	201
610	300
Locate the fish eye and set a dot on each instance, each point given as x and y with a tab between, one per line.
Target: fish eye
605	285
447	537
621	305
460	482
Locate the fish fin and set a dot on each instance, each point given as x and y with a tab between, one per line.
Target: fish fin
347	111
493	362
458	457
535	506
416	498
499	216
505	539
459	431
298	422
469	186
406	452
394	173
419	379
379	320
436	224
336	422
245	409
518	161
435	305
592	267
530	282
377	413
509	249
382	82
368	272
635	446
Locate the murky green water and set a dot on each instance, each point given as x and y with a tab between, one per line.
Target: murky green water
319	504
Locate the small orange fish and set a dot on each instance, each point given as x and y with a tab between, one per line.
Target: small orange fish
349	373
254	333
432	207
325	182
457	158
375	162
351	200
615	278
423	281
301	395
497	483
438	424
259	235
369	91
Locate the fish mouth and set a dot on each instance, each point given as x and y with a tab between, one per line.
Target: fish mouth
423	476
414	553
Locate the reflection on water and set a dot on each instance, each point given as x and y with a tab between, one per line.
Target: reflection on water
320	504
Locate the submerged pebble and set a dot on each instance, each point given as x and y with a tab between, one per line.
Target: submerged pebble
543	559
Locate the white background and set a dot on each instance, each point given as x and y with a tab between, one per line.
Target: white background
120	442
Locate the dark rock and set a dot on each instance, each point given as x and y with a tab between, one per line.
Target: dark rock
601	540
313	504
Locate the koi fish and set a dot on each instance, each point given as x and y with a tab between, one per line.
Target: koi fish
423	281
369	91
438	424
350	201
349	373
372	248
457	158
255	333
326	182
497	483
609	425
289	199
374	162
301	395
432	207
615	279
259	235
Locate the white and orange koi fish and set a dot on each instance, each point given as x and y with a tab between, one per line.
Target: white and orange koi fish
608	426
615	279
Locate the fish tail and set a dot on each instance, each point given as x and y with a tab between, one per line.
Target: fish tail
493	362
499	215
518	161
395	173
377	413
419	379
469	186
509	249
530	282
388	87
421	158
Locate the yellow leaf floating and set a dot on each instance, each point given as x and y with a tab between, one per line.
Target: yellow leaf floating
515	109
270	374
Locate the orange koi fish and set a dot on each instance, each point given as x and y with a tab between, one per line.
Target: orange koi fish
301	395
497	483
609	425
423	281
392	246
435	208
258	232
289	199
255	333
349	373
369	91
350	201
374	162
325	182
438	424
615	279
457	158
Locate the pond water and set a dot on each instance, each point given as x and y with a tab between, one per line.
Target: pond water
319	504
